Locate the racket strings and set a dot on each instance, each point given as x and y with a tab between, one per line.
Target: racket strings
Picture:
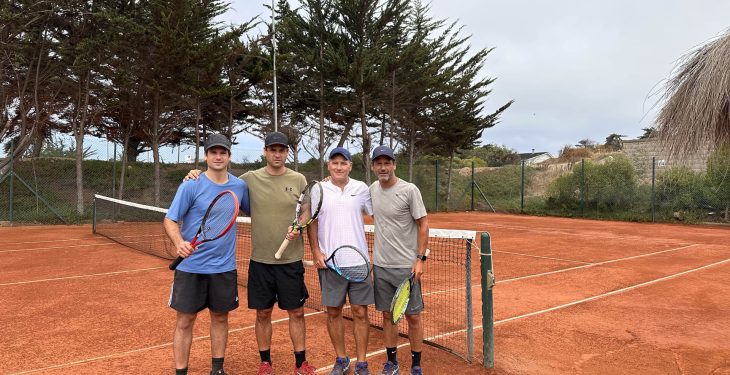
220	216
309	204
400	302
351	263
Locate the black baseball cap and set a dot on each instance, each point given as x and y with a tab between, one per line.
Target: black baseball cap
217	140
383	151
341	151
276	138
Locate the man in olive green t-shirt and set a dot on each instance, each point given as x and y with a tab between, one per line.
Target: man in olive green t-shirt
273	191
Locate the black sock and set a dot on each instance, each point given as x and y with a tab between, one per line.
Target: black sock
392	355
218	364
300	357
265	355
181	371
415	359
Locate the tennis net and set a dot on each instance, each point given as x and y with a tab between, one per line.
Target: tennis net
446	284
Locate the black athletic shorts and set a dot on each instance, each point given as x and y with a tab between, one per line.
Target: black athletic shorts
270	283
193	292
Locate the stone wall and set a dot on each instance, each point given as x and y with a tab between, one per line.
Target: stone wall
641	151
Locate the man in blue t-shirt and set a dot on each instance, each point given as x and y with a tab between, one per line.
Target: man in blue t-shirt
207	277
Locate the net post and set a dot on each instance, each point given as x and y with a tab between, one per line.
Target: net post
93	215
469	306
487	305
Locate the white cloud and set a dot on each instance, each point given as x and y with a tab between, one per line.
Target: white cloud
577	69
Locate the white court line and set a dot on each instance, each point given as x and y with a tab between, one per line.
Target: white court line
81	276
541	257
139	350
584	300
64	240
58	247
593	264
578	234
370	354
323	369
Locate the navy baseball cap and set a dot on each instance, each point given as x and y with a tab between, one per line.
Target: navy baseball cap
217	140
383	151
276	138
341	151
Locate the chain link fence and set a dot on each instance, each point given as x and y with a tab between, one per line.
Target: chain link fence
615	187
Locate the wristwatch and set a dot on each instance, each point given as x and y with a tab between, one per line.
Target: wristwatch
422	257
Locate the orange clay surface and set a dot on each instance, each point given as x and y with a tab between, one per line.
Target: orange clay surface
572	296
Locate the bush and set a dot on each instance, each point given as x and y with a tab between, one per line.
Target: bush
610	186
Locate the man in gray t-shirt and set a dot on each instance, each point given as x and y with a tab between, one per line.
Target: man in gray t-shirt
401	238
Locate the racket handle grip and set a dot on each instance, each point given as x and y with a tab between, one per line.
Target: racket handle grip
175	263
308	263
283	246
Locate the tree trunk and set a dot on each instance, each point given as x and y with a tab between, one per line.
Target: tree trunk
346	132
197	135
365	140
411	153
321	123
79	135
156	146
131	149
124	162
448	180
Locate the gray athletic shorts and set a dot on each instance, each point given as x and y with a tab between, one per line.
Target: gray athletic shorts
335	288
387	281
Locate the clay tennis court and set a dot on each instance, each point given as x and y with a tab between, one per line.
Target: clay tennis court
572	296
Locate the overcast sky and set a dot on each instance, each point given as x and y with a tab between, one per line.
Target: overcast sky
576	69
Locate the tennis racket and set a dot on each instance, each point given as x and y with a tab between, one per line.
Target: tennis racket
402	295
308	205
219	218
348	262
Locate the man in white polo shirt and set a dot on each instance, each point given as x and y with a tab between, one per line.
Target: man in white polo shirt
340	222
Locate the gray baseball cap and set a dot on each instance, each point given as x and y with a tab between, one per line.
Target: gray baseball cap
217	140
383	151
276	138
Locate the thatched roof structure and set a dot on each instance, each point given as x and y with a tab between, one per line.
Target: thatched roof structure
696	111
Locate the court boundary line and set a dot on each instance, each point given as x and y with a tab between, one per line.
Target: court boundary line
540	257
544	311
407	343
617	291
64	240
593	264
57	247
81	276
140	350
576	234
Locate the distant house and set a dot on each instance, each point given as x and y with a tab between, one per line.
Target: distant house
641	152
532	158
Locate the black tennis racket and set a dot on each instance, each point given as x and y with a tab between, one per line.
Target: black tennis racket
402	296
219	218
348	262
308	205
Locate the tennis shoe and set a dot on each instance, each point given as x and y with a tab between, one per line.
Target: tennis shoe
361	368
390	368
416	370
219	372
265	369
305	369
341	367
